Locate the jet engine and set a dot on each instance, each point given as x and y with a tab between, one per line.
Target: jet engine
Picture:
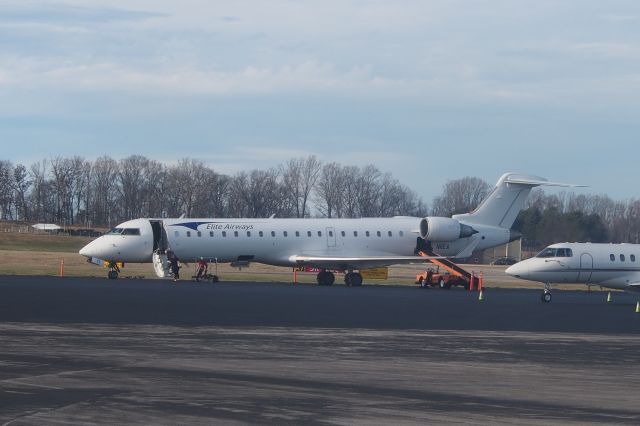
444	229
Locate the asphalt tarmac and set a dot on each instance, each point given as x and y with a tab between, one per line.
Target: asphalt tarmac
80	351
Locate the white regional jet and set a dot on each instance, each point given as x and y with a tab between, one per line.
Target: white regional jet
347	245
608	265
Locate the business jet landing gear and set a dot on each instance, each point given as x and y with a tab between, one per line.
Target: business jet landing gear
353	279
546	294
326	278
114	270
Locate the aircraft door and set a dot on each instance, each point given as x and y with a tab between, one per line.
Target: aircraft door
331	237
159	236
586	268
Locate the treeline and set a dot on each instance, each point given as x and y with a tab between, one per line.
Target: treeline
572	217
104	192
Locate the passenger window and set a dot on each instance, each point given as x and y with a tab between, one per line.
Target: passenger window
261	234
188	233
177	233
331	233
612	257
211	233
355	233
308	233
199	234
248	233
224	234
401	233
235	233
622	258
297	233
390	234
273	233
344	234
319	233
632	257
367	234
379	234
285	233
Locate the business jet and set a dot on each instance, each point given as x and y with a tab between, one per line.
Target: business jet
346	245
608	265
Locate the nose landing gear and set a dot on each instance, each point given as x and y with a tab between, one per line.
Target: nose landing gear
546	294
114	270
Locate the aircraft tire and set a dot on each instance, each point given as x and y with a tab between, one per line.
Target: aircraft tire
356	279
113	275
326	278
546	297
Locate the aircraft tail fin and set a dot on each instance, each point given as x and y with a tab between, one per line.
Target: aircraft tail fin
503	204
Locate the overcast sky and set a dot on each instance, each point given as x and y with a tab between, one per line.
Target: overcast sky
427	90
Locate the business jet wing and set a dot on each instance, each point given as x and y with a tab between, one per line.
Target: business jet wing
634	286
363	262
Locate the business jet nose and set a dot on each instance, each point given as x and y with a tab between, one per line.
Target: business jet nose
90	250
519	270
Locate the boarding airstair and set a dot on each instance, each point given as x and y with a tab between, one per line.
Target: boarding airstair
161	265
448	265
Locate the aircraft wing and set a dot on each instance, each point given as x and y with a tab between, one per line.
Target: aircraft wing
634	286
362	262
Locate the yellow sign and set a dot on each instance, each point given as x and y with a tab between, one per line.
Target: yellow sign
119	264
375	273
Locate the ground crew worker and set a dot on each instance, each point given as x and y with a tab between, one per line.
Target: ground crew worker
203	268
429	276
175	268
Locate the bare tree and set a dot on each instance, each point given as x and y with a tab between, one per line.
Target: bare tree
299	178
460	196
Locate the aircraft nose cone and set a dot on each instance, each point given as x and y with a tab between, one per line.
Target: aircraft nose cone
89	250
519	270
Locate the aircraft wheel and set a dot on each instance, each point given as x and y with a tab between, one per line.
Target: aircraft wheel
546	297
326	278
113	275
356	279
215	279
347	279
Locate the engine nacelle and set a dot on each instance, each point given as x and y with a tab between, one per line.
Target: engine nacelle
444	229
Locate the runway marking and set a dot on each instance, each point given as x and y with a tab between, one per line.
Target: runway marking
15	382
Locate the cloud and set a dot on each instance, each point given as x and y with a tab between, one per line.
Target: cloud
29	12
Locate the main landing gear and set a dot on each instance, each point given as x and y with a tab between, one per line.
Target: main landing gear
326	278
353	279
546	294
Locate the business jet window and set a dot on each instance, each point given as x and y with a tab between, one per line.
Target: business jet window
131	231
115	231
632	257
548	252
622	258
612	257
564	252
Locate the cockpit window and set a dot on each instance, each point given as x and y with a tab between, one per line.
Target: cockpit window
131	231
555	252
115	231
